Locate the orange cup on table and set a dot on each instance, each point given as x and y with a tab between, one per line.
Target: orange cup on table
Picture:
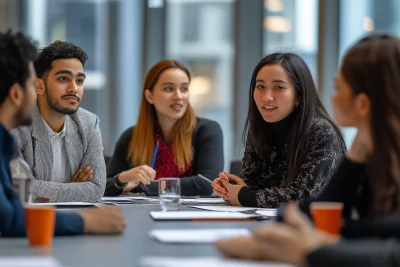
327	216
40	223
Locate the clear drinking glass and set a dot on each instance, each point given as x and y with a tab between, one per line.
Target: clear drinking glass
169	191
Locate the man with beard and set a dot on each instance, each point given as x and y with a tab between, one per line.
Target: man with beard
63	145
17	100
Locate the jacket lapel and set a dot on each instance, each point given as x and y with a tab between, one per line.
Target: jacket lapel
73	145
42	153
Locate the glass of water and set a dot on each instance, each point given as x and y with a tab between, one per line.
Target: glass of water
169	191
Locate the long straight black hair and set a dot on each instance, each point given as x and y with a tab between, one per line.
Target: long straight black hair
258	133
372	67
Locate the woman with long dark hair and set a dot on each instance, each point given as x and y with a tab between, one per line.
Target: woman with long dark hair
187	145
367	182
292	145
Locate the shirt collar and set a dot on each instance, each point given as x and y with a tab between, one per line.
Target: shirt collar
51	132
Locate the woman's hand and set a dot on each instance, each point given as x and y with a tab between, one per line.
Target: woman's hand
232	185
289	242
218	187
142	174
362	147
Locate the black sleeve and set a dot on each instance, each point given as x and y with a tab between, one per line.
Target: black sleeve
118	163
362	252
208	158
379	227
342	187
247	197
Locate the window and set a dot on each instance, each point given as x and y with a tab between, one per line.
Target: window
199	33
292	26
360	17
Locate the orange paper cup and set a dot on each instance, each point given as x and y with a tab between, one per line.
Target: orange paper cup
40	221
327	216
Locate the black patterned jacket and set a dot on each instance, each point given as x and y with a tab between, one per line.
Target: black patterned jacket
265	175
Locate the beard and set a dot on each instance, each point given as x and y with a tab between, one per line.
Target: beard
54	104
23	119
60	109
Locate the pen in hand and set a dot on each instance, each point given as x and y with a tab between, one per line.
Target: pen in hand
204	178
153	162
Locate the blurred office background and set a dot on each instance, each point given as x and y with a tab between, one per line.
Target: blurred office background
219	40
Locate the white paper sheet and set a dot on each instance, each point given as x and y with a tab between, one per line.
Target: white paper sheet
61	204
191	201
124	198
204	261
196	235
265	212
223	208
27	261
115	198
189	215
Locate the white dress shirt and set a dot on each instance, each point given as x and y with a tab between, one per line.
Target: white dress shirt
61	172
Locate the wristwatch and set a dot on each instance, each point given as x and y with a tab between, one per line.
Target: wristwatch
118	182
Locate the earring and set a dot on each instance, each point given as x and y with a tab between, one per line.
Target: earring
296	105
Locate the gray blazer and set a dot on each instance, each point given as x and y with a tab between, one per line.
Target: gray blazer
84	148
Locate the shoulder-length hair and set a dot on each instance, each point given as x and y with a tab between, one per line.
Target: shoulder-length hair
259	134
372	67
142	142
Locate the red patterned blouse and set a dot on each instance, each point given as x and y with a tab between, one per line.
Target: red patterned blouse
165	165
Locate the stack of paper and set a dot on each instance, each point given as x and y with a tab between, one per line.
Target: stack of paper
204	261
28	261
130	200
67	205
194	201
199	215
265	212
196	235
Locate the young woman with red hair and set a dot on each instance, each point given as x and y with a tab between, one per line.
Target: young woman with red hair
188	145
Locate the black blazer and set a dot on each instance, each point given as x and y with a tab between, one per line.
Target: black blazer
366	252
208	160
367	241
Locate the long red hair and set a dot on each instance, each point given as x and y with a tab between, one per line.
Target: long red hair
142	142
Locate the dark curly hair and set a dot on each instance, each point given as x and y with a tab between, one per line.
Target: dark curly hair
57	50
16	52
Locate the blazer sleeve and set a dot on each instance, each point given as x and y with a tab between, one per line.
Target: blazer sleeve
361	252
208	160
386	226
324	151
118	162
93	191
342	187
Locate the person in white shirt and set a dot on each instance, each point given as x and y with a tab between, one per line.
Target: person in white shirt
63	146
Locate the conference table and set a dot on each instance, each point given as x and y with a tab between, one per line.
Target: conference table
128	248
